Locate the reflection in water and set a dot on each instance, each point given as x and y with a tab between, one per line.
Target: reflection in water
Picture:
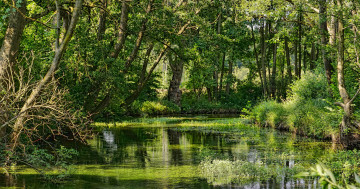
168	157
109	138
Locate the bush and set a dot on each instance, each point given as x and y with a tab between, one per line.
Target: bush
269	113
192	104
159	108
306	111
310	86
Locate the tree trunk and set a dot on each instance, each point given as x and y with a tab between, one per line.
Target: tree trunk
333	25
354	28
122	30
273	75
139	39
121	41
348	129
324	40
222	75
340	71
208	91
304	57
263	57
229	78
312	56
137	91
59	51
216	84
102	20
174	93
12	38
288	63
216	77
299	43
282	87
142	80
257	58
296	59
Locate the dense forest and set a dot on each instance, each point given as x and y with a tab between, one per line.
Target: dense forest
67	66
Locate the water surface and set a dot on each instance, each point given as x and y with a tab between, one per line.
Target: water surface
168	154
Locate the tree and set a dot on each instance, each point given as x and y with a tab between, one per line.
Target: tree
60	48
11	43
348	127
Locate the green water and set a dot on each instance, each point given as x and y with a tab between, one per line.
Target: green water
168	152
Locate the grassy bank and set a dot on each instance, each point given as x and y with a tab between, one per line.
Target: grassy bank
308	110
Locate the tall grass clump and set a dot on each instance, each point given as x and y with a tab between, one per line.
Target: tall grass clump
269	113
159	108
307	110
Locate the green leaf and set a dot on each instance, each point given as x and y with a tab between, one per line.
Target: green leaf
357	178
352	187
330	174
302	174
319	169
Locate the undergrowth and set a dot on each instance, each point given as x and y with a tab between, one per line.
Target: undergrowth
307	111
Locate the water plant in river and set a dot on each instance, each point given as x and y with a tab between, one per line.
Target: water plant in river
225	171
203	121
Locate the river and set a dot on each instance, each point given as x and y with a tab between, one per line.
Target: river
186	152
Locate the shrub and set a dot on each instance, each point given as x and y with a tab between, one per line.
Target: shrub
306	111
310	86
269	113
159	108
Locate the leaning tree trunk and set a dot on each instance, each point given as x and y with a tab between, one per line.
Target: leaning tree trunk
59	51
12	38
348	127
10	47
174	93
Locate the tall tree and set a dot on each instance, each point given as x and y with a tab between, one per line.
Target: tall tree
11	43
177	66
324	39
348	128
60	49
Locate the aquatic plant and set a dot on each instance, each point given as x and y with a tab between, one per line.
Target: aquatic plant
225	171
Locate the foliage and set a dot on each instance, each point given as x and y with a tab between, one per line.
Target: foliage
220	172
158	108
310	86
306	111
343	164
235	54
327	178
48	162
269	113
